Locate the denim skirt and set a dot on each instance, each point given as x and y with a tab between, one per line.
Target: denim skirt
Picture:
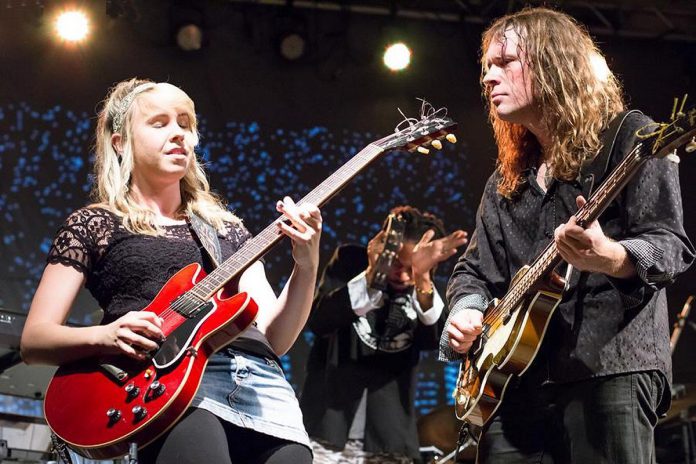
251	391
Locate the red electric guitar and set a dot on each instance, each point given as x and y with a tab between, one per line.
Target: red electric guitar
99	406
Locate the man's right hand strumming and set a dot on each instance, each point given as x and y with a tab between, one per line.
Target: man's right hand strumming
133	334
463	328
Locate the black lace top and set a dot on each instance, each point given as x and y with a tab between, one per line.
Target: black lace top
125	271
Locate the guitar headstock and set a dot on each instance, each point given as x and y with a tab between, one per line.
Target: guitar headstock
666	138
393	236
415	134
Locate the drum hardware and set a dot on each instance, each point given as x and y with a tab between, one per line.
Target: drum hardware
682	412
680	323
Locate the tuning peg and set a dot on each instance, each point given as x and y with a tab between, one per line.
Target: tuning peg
423	150
673	157
691	146
451	138
437	144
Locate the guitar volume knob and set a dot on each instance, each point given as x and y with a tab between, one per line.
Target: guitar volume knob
132	390
113	414
139	412
157	387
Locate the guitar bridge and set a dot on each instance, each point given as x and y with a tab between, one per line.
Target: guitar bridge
484	333
482	339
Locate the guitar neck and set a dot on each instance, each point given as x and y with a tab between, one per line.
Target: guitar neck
549	258
611	187
256	247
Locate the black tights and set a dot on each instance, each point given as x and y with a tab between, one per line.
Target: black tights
200	437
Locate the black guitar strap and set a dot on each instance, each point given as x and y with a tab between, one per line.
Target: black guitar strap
206	235
594	170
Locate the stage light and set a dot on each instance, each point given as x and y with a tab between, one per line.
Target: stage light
187	20
291	39
72	26
189	37
292	45
397	56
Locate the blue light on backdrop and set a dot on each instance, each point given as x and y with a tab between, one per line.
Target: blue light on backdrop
45	167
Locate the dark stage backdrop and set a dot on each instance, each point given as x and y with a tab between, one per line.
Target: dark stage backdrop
271	128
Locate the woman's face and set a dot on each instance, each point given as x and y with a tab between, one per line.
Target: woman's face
162	133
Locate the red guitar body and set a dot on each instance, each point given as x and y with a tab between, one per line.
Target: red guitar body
99	406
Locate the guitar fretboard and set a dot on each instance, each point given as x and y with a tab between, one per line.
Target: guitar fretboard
259	245
549	258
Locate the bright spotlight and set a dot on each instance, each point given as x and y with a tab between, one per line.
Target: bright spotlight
72	26
397	57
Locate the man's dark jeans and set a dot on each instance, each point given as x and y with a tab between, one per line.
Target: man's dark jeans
603	420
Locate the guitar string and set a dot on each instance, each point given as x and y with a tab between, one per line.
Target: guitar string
582	215
520	289
252	248
513	298
551	252
215	280
230	267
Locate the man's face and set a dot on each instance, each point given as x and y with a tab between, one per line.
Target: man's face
508	80
400	275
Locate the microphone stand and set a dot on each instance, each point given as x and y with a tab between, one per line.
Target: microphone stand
132	456
686	422
679	325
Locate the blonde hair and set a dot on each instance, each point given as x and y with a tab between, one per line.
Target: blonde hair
576	103
112	171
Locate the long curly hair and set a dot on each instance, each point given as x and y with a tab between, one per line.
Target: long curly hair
576	100
112	172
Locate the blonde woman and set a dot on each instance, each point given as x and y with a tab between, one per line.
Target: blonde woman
136	235
601	378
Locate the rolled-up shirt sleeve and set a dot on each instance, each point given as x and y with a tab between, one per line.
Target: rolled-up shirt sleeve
481	273
643	255
362	298
654	235
476	302
432	315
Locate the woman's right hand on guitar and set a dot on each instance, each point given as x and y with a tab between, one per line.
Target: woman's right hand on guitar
463	329
133	334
